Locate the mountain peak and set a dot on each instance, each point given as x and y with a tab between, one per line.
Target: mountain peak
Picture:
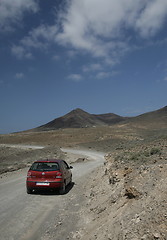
78	110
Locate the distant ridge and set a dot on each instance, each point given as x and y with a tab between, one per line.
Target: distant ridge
110	118
154	118
78	118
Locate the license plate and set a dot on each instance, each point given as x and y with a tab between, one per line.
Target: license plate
42	184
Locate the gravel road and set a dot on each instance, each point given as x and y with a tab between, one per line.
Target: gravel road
43	216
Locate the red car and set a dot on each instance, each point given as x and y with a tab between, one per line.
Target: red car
49	174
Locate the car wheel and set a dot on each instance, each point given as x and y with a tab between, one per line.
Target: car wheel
29	191
63	189
70	180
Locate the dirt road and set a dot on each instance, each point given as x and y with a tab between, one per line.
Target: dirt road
43	216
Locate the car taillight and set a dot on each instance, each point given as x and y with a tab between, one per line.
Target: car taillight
58	175
29	174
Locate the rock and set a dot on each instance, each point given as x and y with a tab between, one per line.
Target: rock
80	160
131	192
156	236
127	171
113	179
144	237
101	209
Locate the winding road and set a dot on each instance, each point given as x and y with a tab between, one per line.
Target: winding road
43	216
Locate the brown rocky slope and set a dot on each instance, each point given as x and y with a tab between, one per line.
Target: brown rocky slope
127	198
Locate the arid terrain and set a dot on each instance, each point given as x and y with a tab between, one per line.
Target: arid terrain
126	197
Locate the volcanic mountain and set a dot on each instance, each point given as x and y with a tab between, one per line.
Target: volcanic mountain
79	119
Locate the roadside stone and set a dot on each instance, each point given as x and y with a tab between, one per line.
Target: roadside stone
132	192
156	236
144	237
81	160
113	179
100	210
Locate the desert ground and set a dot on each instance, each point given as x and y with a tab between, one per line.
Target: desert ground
125	197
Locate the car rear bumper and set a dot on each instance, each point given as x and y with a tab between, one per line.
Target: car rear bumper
44	184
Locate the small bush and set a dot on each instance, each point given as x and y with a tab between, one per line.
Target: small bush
155	151
135	157
146	153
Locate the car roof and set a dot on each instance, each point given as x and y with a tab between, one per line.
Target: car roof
50	160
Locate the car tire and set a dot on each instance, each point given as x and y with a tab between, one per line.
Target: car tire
62	190
29	191
70	180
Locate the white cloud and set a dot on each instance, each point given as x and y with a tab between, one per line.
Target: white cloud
92	67
12	12
38	38
102	75
20	52
100	27
19	75
56	57
75	77
152	17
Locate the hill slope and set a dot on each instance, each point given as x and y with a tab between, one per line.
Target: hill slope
110	118
156	118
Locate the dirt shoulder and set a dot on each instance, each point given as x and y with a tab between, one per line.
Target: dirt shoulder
14	158
19	156
127	197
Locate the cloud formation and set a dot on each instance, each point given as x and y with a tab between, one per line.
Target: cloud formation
21	52
38	38
92	67
75	77
12	12
151	18
104	29
19	75
102	26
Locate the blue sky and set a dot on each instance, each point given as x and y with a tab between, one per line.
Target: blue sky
101	56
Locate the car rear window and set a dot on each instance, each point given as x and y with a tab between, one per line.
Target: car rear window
42	166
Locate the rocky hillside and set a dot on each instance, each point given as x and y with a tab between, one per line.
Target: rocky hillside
127	198
152	119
